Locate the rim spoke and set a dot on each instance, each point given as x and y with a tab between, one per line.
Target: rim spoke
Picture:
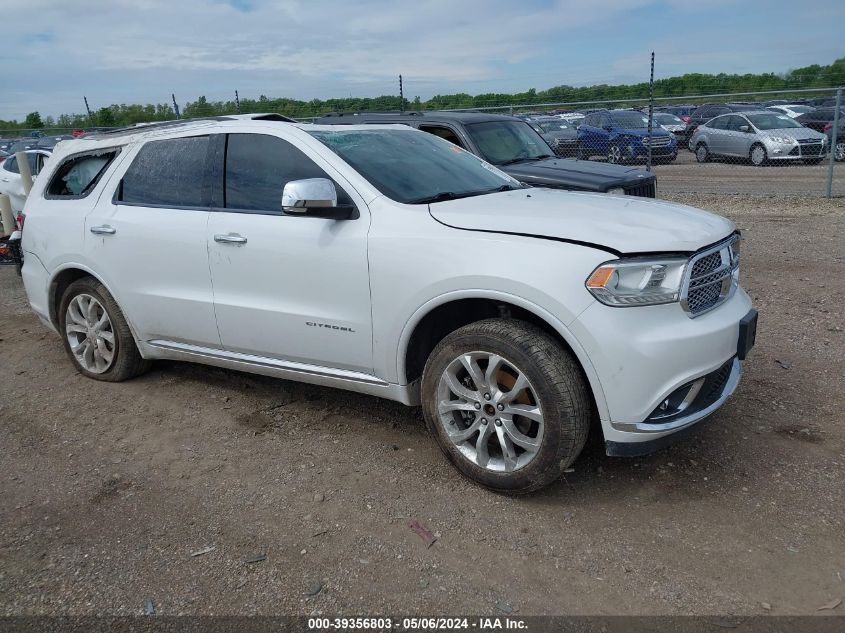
473	370
107	336
75	312
88	354
490	376
449	406
524	410
518	387
91	312
508	451
103	351
75	328
457	388
482	455
77	347
530	444
464	435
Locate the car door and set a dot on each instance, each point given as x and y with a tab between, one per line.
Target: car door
148	241
716	132
287	287
736	141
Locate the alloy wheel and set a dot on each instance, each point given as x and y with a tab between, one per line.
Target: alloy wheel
490	411
839	152
758	155
614	154
90	334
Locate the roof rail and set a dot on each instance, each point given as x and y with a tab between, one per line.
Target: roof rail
368	112
158	125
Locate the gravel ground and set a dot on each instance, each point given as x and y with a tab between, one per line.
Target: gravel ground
204	491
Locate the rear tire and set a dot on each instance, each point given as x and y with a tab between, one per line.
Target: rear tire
475	431
839	151
96	335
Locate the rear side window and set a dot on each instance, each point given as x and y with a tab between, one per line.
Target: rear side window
168	173
77	176
11	165
257	168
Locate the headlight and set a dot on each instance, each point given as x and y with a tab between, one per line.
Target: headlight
781	139
637	282
616	191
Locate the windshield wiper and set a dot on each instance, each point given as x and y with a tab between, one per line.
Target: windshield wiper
441	197
524	159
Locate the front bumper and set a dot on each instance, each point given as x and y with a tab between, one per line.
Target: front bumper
795	150
643	356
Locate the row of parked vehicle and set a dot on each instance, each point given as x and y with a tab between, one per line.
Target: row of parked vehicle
758	132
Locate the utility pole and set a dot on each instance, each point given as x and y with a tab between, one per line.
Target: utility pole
175	105
401	96
237	102
87	109
650	110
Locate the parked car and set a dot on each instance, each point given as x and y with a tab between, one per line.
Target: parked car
793	110
23	145
682	111
759	136
839	147
3	155
515	148
572	117
10	176
49	142
674	124
821	119
704	113
622	136
561	135
390	262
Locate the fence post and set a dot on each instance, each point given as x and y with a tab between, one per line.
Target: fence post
26	174
833	139
650	110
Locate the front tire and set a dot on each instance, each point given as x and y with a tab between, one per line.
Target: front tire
96	335
615	154
839	151
506	404
757	155
702	154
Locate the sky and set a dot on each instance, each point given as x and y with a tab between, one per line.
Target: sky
141	51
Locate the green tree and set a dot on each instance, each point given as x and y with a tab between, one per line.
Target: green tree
33	120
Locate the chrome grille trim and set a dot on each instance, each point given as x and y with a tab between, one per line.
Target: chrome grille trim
710	278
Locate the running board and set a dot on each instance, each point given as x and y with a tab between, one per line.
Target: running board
288	370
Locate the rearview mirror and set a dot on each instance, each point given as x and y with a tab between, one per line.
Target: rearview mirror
315	197
744	128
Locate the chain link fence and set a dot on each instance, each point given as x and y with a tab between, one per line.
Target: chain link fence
752	143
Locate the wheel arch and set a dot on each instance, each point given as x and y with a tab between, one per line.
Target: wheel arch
64	277
440	316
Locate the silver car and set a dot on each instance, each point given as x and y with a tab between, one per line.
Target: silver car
760	136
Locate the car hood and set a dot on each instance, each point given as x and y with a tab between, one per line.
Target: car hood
564	134
576	174
619	224
656	131
792	132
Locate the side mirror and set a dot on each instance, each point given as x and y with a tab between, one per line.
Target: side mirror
744	128
315	197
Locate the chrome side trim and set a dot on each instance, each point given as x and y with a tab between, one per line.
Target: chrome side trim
288	370
679	423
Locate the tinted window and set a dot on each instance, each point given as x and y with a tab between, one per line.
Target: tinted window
503	142
719	123
257	168
168	173
410	166
772	121
11	164
734	122
78	175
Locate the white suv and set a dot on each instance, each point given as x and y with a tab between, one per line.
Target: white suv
388	261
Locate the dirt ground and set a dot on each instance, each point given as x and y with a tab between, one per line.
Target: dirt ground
194	490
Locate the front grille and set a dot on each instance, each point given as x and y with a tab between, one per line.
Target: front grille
644	190
657	141
710	277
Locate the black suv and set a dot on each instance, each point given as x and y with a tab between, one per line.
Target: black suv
514	147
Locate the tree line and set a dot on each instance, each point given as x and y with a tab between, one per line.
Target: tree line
813	76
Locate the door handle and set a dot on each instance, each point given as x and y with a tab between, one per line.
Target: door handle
230	238
103	229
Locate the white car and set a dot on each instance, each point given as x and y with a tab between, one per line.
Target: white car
792	111
10	176
388	261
